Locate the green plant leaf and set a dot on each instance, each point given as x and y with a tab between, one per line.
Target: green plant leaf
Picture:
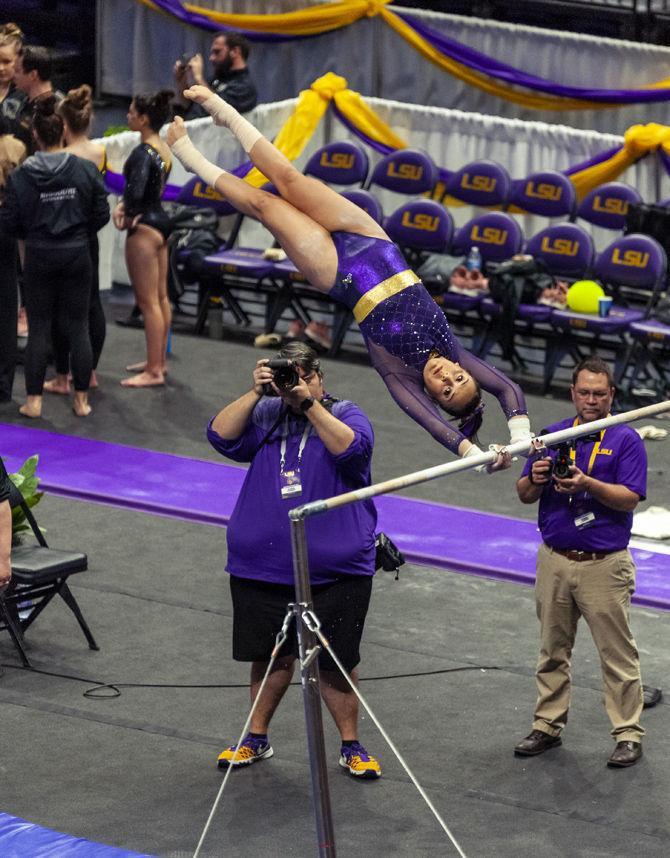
29	467
26	481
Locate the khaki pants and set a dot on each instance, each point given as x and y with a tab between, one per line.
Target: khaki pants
600	591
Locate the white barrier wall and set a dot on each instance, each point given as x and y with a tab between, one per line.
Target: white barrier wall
451	137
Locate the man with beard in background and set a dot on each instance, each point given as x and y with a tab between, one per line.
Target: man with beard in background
232	80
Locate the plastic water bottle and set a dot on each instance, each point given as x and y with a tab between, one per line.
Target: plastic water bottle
474	260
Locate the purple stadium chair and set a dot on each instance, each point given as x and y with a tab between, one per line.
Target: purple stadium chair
232	266
342	163
546	193
365	200
407	171
607	205
649	356
497	235
196	193
633	268
567	252
565	248
480	183
420	226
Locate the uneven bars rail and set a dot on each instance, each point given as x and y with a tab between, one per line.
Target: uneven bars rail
319	506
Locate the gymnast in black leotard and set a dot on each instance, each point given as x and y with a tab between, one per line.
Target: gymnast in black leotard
145	173
148	226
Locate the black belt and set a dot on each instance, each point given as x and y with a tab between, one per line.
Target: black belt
579	556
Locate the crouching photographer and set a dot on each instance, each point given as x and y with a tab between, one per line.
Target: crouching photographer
302	445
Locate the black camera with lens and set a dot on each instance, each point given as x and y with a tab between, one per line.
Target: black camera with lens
284	374
562	462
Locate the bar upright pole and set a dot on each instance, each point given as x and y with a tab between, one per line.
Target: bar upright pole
311	694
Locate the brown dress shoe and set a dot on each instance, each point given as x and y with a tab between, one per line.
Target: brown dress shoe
535	743
625	754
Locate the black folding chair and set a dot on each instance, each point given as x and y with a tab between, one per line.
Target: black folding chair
39	573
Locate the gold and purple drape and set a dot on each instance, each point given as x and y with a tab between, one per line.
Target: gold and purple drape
468	65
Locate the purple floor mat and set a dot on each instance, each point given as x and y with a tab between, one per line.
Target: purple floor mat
21	838
448	537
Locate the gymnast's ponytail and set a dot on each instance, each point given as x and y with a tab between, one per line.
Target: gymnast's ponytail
470	422
470	415
77	108
47	125
157	107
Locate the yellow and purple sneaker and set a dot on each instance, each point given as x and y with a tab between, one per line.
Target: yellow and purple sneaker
358	762
250	751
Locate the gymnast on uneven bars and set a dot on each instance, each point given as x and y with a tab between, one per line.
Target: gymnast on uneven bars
343	252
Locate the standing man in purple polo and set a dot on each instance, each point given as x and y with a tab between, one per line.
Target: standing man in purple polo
584	567
303	445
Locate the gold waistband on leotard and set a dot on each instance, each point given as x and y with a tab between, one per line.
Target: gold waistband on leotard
391	286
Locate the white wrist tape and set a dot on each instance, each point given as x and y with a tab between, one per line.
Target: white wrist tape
475	451
193	161
217	108
472	451
225	114
519	429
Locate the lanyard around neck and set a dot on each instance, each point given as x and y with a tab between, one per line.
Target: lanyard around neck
594	452
301	447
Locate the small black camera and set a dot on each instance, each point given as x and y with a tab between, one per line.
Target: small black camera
185	59
387	554
562	462
284	374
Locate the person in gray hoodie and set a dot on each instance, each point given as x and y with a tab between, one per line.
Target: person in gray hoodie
55	201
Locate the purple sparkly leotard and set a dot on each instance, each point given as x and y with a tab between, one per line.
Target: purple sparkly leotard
402	325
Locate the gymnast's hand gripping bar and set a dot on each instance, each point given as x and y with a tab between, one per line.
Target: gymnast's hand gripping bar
520	447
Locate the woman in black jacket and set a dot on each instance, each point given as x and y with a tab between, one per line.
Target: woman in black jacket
54	201
76	109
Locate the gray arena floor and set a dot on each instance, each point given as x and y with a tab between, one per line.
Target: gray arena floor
138	771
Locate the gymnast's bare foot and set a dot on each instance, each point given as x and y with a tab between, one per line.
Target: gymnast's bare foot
141	367
32	407
80	404
93	383
60	384
145	379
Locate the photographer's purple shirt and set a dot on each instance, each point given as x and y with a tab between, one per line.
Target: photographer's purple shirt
622	460
340	542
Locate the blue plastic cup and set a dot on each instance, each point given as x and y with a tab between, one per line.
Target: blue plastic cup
604	306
